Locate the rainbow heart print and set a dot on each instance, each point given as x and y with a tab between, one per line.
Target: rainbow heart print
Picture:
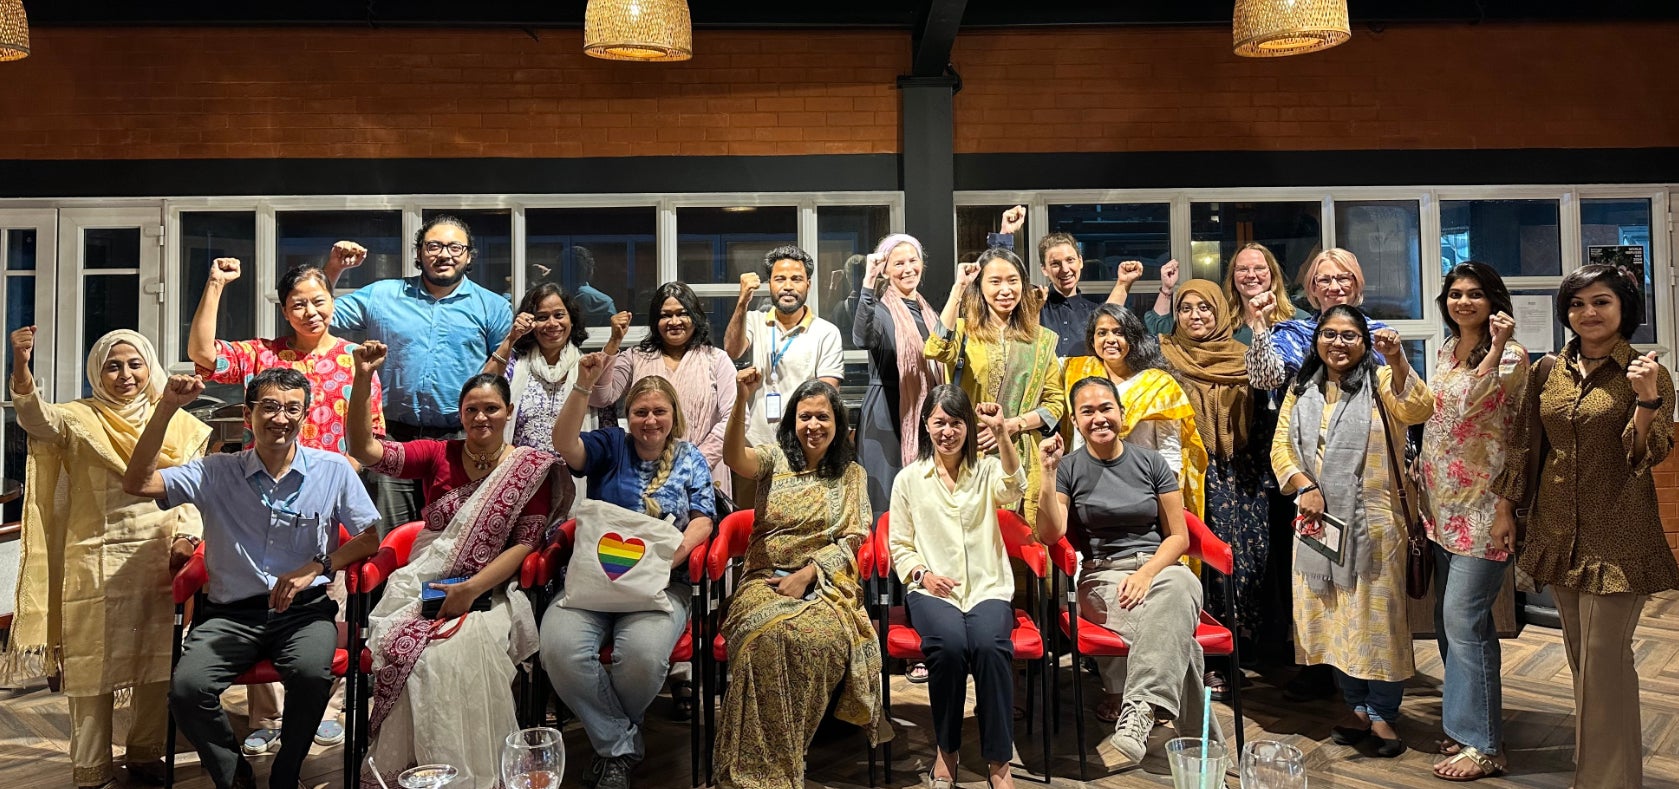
618	555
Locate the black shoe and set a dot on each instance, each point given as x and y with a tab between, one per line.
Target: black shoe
1389	748
147	773
592	777
1347	735
681	706
614	773
244	777
1312	683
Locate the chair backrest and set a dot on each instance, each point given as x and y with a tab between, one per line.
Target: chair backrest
865	558
729	542
1019	541
883	545
1206	546
401	540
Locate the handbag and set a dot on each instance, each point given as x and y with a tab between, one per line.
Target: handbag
1419	559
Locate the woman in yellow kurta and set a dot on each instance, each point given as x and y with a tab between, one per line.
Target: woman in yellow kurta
93	602
989	339
1349	600
1158	414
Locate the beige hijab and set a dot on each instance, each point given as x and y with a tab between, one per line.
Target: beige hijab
134	410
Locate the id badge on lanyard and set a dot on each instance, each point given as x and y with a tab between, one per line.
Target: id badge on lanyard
772	396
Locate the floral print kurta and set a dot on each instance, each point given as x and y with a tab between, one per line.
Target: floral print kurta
1463	447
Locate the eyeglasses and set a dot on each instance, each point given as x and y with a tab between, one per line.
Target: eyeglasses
1342	280
272	408
455	249
1341	337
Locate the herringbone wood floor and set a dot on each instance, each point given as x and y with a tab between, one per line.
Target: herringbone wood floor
1538	726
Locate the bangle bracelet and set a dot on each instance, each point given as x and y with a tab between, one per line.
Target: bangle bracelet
497	357
580	389
1650	404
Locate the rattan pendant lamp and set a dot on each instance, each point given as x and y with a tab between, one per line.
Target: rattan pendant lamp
1274	28
14	31
648	30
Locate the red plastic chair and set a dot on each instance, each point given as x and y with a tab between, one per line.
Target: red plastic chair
900	640
1090	639
728	546
554	558
189	583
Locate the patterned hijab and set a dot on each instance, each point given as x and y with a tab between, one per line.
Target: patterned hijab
1214	373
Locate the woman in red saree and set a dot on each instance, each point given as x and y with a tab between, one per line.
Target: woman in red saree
440	690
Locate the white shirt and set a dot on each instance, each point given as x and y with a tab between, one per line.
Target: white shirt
813	349
955	533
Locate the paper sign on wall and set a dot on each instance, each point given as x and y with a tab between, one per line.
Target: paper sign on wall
1535	323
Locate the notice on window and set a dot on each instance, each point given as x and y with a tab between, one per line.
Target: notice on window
1535	319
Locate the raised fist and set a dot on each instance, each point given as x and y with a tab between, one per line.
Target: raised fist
1129	271
1169	276
876	267
621	324
747	382
23	343
590	368
370	356
966	273
224	270
182	389
1013	219
1388	344
522	325
346	254
1503	327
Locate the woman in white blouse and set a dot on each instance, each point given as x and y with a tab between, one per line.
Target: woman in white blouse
948	550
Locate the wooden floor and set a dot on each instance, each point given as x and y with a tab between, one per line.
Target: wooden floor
1537	700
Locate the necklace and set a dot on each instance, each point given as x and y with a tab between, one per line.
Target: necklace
486	461
1586	358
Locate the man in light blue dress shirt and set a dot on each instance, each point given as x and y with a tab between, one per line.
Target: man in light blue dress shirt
271	516
440	328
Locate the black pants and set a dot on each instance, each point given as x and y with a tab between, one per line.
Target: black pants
229	639
958	644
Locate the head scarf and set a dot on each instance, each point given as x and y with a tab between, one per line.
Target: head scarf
917	375
1214	372
135	410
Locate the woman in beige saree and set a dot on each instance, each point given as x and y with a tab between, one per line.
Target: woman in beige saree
796	627
93	599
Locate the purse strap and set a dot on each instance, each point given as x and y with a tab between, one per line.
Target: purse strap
1413	524
1535	460
961	361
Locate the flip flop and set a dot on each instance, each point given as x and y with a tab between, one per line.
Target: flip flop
916	673
1489	768
1108	712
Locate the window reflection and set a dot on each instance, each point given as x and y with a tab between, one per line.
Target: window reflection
205	236
1518	238
846	235
607	258
717	245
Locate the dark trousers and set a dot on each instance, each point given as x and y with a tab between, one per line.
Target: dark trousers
229	639
398	500
958	644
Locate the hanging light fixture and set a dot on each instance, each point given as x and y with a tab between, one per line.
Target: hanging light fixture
14	31
650	30
1274	28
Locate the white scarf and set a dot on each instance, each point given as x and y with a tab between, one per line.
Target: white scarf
535	364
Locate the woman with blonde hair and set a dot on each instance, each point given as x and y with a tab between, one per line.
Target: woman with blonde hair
1250	273
989	340
1332	278
93	602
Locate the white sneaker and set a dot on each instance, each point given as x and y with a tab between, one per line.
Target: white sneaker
260	742
1128	744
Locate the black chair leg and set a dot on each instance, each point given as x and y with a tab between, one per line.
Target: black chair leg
1043	709
1078	715
1235	665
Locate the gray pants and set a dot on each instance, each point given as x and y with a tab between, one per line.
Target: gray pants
230	639
1165	665
611	701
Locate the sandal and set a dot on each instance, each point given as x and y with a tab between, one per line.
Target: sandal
1449	746
1215	682
1107	710
939	783
916	673
1489	768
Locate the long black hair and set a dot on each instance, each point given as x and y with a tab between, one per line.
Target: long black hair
533	299
1353	380
1498	300
1142	347
685	296
955	403
840	453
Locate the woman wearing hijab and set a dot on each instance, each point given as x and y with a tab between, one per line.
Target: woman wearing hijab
893	328
1213	368
94	603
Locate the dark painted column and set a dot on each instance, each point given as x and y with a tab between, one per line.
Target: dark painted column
929	177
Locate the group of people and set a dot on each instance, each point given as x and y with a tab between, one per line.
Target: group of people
1283	429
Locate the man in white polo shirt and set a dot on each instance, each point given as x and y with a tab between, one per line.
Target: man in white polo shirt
789	344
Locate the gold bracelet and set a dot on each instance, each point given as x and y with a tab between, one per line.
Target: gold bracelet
497	357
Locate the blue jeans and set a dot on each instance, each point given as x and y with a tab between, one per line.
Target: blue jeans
611	702
1472	701
1378	699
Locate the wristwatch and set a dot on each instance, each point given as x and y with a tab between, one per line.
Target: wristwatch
1307	489
915	577
1650	404
325	561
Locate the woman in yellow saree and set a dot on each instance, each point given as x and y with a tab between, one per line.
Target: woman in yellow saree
796	626
989	339
93	601
1158	413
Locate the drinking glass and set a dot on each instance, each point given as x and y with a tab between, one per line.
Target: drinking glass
533	759
426	776
1196	765
1268	764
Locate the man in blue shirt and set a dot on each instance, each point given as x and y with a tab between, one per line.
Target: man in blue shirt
440	328
270	515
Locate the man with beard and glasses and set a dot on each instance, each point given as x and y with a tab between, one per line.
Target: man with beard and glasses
439	328
789	344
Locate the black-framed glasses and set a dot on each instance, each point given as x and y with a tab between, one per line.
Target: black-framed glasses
1342	337
454	248
273	408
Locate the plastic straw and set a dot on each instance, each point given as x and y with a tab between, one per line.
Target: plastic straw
376	775
1206	725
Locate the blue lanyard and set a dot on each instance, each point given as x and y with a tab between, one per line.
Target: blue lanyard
777	355
284	507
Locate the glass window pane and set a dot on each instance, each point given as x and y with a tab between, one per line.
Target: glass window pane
492	243
974	222
15	457
717	245
111	247
20	250
1518	238
1292	231
1416	352
306	236
20	308
109	302
206	236
607	257
845	237
1621	223
718	310
1110	233
1386	236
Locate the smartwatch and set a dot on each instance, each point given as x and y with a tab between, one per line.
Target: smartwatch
325	561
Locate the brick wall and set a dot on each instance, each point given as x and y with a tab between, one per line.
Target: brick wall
238	93
1667	493
1439	86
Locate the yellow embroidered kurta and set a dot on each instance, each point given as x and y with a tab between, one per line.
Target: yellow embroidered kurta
1021	377
95	586
1153	395
1364	631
